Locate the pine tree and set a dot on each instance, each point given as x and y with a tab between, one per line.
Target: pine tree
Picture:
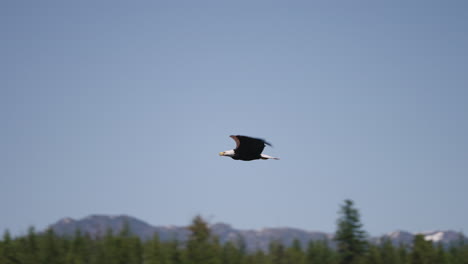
32	255
295	254
79	252
154	251
403	254
123	248
389	253
8	253
202	248
173	252
21	250
277	253
258	257
50	250
464	254
441	255
111	249
374	255
319	252
423	251
458	252
232	254
350	237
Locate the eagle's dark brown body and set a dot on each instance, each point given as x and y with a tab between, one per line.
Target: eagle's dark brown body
248	148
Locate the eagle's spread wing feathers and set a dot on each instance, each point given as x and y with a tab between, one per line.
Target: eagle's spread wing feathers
236	140
249	146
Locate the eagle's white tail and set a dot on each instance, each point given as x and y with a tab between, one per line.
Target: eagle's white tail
268	157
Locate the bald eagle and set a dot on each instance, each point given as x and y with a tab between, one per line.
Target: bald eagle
247	148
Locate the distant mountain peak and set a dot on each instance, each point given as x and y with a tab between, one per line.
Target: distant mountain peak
66	220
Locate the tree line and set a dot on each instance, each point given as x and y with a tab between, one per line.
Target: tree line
202	247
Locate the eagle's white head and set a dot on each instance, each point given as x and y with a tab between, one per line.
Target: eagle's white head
228	153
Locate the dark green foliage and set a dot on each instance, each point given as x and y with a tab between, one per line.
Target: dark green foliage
277	253
173	252
441	256
403	254
374	255
391	254
203	247
78	249
458	252
50	248
350	237
319	252
154	252
232	253
258	257
423	251
295	254
8	252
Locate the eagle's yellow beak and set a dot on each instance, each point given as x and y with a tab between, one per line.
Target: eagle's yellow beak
221	153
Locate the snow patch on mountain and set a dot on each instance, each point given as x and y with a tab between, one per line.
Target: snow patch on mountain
436	237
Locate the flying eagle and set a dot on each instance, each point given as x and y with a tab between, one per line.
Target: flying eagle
247	148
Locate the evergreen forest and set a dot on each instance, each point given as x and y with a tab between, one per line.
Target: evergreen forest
351	247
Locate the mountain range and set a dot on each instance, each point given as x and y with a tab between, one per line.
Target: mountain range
98	225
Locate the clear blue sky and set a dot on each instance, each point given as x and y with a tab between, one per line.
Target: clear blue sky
121	107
